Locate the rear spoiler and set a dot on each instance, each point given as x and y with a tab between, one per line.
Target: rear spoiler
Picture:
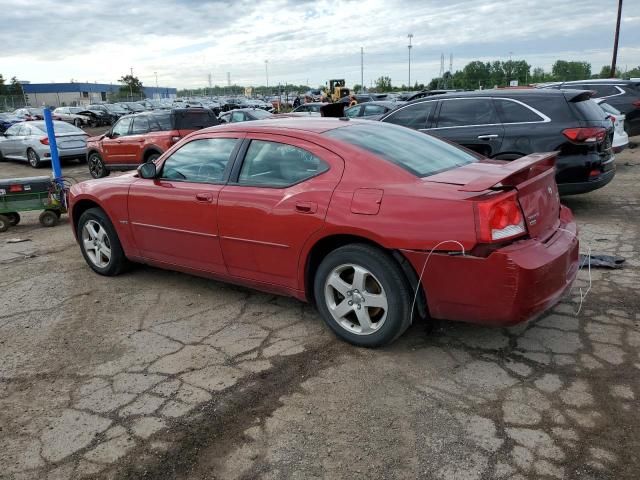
514	172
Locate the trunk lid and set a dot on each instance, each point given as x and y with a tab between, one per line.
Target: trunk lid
533	177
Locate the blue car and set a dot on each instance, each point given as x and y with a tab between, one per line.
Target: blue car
6	120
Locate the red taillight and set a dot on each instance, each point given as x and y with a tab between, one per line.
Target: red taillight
636	104
500	219
44	140
613	119
175	140
585	134
15	188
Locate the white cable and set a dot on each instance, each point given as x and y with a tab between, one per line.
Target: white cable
419	286
587	260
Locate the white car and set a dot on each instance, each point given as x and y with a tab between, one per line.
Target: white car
73	115
620	136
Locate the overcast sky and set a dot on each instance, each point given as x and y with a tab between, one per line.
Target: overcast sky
184	41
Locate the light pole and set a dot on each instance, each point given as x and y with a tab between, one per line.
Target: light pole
131	84
361	69
410	36
614	59
157	89
266	70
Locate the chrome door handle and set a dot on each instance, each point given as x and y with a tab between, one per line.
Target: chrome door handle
488	137
204	197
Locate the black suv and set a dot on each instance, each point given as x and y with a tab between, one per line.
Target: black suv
624	95
508	124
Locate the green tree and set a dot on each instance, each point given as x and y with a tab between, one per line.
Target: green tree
357	87
3	87
633	73
563	70
131	85
15	88
383	84
605	72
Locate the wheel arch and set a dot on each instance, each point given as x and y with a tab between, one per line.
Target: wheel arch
81	206
151	150
324	245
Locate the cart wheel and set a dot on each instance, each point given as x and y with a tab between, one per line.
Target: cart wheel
14	218
48	218
4	223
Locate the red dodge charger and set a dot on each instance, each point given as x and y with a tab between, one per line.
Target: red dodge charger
374	223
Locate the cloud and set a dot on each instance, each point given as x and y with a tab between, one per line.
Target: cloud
184	41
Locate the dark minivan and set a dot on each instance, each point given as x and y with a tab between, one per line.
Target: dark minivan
507	124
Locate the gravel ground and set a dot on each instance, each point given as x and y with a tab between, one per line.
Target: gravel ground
157	375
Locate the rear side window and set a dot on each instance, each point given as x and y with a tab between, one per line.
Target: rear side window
461	112
412	116
418	153
373	109
604	90
589	110
514	112
195	120
272	164
140	125
163	121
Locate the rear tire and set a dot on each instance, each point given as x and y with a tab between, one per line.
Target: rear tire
97	168
100	244
77	123
49	218
33	158
153	157
14	218
363	295
5	223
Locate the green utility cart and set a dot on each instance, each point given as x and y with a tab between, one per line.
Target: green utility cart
31	194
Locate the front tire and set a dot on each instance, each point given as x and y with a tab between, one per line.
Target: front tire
14	218
33	158
77	123
97	168
5	223
100	244
363	295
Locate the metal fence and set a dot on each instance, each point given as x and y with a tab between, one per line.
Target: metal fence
8	103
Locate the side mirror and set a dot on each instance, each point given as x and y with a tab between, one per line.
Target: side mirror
147	170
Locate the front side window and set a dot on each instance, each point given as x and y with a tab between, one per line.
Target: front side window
122	127
278	165
373	110
237	117
412	116
461	112
202	161
418	153
13	131
140	125
514	112
352	112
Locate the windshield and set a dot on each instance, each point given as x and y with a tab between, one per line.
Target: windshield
115	108
416	152
75	110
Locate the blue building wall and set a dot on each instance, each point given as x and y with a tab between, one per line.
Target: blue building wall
42	88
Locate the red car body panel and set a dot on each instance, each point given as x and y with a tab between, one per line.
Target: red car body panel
262	237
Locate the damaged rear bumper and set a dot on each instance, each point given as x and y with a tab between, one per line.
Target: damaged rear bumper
511	285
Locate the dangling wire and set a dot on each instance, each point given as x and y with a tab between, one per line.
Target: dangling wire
587	261
424	266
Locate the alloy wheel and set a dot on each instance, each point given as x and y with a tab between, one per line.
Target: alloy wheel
96	168
356	299
96	243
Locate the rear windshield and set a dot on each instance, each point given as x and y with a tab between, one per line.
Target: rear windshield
589	110
416	152
58	127
194	120
261	114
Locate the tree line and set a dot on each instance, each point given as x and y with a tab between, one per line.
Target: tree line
12	88
498	73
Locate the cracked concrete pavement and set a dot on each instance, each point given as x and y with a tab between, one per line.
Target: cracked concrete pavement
157	374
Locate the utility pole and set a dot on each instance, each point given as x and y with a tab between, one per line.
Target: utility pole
266	70
614	60
410	36
131	84
157	90
210	83
361	68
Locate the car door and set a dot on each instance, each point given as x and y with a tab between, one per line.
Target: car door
132	144
523	127
12	141
277	197
174	218
114	151
470	122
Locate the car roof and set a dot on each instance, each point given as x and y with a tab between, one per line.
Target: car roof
599	80
493	92
284	123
